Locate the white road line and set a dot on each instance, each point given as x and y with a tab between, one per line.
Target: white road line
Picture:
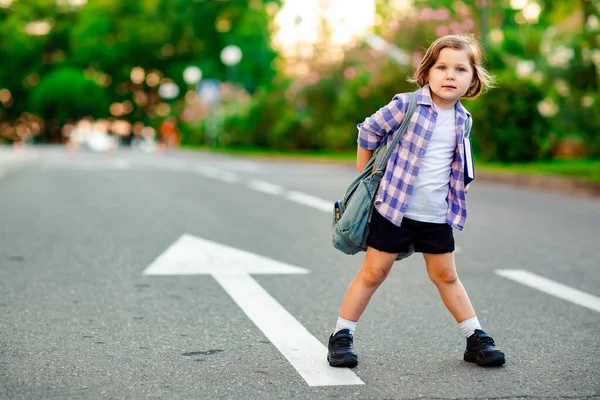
554	288
311	201
228	177
265	187
208	172
302	350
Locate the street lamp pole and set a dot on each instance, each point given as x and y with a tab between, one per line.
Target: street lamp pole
231	56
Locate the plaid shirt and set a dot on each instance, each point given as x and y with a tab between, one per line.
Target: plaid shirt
396	186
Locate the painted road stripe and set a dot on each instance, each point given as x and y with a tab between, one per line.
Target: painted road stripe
214	173
310	201
229	177
554	288
208	172
302	350
232	269
265	187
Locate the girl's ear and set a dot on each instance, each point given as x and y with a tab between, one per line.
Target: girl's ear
474	80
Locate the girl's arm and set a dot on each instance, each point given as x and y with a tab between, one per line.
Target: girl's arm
362	158
372	131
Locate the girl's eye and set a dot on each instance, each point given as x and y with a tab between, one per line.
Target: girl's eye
442	67
461	69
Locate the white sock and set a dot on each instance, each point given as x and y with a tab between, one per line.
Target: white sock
344	324
468	326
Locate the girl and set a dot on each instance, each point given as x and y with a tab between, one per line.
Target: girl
422	194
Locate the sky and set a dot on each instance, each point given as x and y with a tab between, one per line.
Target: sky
346	18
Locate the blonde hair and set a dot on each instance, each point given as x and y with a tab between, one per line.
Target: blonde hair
482	80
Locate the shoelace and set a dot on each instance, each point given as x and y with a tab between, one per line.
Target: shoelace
343	342
487	340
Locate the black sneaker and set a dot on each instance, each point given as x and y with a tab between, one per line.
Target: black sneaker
482	350
341	353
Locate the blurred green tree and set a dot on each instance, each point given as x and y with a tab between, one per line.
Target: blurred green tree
107	39
64	95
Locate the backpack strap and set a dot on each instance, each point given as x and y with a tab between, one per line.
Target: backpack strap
381	161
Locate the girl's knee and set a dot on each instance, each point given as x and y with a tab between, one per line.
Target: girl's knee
373	275
445	275
441	268
376	267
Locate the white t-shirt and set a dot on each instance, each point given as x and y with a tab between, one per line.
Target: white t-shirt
428	202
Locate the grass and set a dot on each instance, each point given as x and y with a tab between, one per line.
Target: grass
588	170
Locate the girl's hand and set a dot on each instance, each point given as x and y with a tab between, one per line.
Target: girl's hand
362	158
467	188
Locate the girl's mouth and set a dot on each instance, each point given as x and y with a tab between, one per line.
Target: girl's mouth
449	87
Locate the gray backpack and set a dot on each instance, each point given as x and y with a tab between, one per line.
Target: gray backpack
352	214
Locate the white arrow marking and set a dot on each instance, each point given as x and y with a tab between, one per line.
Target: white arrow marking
310	201
231	268
554	288
265	187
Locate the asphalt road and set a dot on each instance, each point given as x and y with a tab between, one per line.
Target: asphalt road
79	319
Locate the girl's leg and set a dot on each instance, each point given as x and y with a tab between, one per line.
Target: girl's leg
442	272
481	348
374	270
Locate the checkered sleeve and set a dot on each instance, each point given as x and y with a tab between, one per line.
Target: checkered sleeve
372	131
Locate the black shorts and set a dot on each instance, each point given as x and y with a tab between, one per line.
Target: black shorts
426	237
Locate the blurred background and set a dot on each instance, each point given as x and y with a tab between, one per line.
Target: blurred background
288	75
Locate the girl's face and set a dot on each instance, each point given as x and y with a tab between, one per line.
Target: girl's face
450	77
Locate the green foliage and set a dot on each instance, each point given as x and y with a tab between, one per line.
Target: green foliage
271	121
115	36
108	38
575	88
507	124
65	94
321	113
84	63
